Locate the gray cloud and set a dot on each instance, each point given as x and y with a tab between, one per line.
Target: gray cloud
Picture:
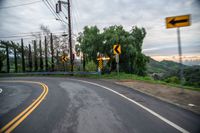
103	13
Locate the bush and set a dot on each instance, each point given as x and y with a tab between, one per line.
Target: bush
90	66
172	79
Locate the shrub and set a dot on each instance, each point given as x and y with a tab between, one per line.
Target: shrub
90	66
172	79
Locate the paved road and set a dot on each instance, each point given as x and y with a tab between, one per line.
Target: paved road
87	106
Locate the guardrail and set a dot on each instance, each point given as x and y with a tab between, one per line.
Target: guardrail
49	73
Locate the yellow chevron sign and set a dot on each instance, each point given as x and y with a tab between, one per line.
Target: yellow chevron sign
64	58
117	49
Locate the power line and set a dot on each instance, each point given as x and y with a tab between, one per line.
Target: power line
52	10
52	5
30	35
25	4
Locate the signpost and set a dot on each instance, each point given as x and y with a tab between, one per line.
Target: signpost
117	51
101	60
176	22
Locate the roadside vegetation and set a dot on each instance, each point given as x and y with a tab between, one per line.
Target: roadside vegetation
128	77
92	42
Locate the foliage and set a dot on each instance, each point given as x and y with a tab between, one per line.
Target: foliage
173	79
164	66
192	76
171	72
11	46
91	41
131	60
2	58
90	66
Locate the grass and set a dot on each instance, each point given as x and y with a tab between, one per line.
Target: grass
122	76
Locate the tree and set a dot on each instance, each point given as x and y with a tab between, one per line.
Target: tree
91	41
131	59
11	46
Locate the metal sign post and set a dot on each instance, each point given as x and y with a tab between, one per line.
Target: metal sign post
100	65
176	22
180	57
117	51
117	61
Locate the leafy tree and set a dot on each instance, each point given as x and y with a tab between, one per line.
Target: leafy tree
91	41
131	60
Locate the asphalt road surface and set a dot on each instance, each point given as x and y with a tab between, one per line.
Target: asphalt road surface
71	105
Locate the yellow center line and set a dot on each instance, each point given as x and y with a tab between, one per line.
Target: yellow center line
19	118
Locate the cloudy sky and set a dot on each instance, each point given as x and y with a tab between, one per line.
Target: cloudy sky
18	18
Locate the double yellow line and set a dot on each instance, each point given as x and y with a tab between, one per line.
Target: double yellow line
19	118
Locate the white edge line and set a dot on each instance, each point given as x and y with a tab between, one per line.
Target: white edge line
140	105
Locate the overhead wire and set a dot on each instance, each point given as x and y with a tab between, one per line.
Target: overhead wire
52	11
25	4
52	7
30	34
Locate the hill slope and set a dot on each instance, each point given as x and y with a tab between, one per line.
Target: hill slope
163	66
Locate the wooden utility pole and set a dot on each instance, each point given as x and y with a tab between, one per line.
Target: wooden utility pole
70	35
58	9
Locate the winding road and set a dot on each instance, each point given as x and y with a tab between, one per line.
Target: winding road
78	105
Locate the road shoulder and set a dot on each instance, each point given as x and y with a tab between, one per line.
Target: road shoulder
188	99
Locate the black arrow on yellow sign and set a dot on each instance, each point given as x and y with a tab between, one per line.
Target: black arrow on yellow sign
178	21
174	22
117	49
64	58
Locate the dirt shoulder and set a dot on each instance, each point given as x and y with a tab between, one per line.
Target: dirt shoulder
188	99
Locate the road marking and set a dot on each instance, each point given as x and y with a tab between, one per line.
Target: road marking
191	105
1	90
10	126
140	105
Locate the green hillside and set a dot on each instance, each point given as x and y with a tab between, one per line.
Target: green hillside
163	66
169	72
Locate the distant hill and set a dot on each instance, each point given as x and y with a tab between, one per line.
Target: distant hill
163	66
169	71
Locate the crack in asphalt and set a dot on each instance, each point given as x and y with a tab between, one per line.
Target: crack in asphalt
87	112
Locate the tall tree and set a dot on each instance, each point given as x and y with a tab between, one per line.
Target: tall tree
52	53
22	52
30	58
35	55
132	60
41	59
91	41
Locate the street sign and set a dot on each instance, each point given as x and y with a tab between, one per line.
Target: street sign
178	21
117	49
64	58
100	64
103	58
